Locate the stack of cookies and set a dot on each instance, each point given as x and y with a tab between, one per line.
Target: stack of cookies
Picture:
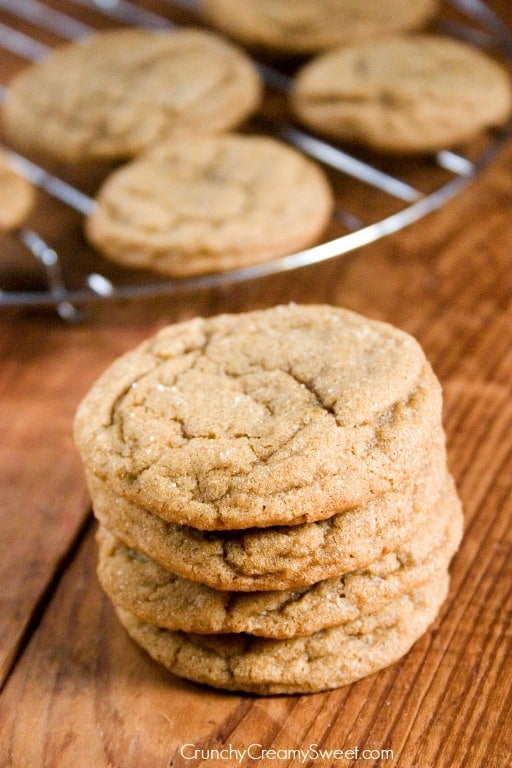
275	507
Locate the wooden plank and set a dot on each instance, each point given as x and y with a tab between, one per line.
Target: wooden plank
46	369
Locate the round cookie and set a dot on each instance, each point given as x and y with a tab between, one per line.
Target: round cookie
17	196
307	26
139	585
324	660
281	557
404	94
209	204
116	93
281	416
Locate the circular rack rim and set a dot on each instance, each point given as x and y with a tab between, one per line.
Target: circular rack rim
106	291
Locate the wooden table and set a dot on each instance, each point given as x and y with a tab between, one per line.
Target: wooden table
76	691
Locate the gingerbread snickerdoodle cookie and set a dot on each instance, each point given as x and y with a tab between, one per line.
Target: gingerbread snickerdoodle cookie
282	416
116	93
320	661
139	585
307	26
404	93
206	204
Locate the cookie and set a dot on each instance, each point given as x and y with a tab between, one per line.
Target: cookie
210	204
116	93
17	196
139	585
403	94
324	660
276	417
281	557
307	26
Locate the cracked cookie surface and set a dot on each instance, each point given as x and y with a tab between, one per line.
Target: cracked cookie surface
279	557
409	93
115	93
306	26
139	585
208	204
324	660
281	416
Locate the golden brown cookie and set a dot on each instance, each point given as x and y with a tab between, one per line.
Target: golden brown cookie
282	416
210	204
118	92
306	26
318	662
416	93
139	585
281	557
17	196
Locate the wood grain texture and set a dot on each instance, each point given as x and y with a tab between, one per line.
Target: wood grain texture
79	693
45	372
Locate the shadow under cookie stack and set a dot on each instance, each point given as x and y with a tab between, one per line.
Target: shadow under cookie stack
276	514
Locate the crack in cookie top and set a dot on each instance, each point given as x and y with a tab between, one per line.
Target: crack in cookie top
270	417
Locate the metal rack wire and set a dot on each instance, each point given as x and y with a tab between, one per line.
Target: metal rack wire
478	24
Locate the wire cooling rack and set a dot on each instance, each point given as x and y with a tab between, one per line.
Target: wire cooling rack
377	196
